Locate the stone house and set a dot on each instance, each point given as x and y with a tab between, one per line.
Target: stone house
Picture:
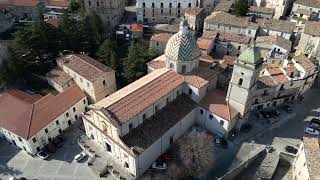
195	17
261	12
40	118
310	40
280	6
306	9
158	42
94	78
276	27
110	11
274	47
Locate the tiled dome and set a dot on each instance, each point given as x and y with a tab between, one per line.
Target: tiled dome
251	55
182	46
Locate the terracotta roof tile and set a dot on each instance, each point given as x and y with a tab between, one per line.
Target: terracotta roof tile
274	70
312	28
58	76
222	36
58	3
136	27
126	107
158	62
304	61
161	37
257	9
290	69
220	17
229	59
84	65
204	42
54	22
223	6
265	82
30	3
33	113
193	11
215	102
280	79
200	76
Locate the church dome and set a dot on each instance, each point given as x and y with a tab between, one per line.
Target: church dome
182	46
251	55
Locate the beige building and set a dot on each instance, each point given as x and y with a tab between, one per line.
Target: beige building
54	8
261	12
40	118
110	11
94	78
273	47
225	22
276	27
310	40
280	6
305	9
195	17
159	41
151	11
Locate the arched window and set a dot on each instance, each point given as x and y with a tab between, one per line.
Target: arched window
240	82
171	65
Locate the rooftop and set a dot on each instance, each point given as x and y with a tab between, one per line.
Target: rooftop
312	153
279	25
137	96
27	3
200	76
289	69
274	70
193	11
54	22
222	36
169	28
304	11
58	76
85	66
305	62
215	102
220	17
223	6
158	62
153	128
204	43
265	82
280	79
161	37
264	10
58	3
136	27
309	3
312	28
34	112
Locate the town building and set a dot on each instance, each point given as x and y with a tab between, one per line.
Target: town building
110	11
276	27
167	28
150	11
280	7
136	30
40	118
195	17
139	122
225	22
224	6
306	9
274	47
54	8
310	40
261	12
27	8
94	78
6	17
158	42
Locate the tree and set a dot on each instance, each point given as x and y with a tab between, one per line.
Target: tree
241	7
135	65
152	53
96	25
107	53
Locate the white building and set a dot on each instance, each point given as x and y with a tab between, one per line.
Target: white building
54	8
306	9
280	6
309	43
32	121
276	27
94	78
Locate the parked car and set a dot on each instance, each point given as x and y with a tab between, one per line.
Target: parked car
42	155
315	120
221	142
159	165
246	128
259	116
312	131
165	158
291	149
314	126
287	108
266	114
275	112
80	156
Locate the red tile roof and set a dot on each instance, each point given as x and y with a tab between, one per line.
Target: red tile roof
274	70
58	76
136	27
215	102
200	76
53	22
229	59
193	11
204	42
30	3
134	102
234	38
162	37
290	69
280	79
58	3
25	115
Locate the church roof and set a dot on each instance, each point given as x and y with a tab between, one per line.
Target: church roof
250	55
182	46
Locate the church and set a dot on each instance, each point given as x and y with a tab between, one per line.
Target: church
139	122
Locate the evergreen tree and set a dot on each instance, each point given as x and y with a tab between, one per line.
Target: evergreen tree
241	7
69	28
105	49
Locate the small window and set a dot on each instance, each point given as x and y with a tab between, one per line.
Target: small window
179	5
170	5
67	114
24	148
178	11
240	82
190	91
249	31
171	139
201	111
49	139
38	149
76	117
143	5
104	82
57	122
161	11
130	126
189	5
161	5
20	139
210	116
152	5
60	131
144	116
239	47
84	101
126	165
74	109
34	140
291	84
89	3
46	130
221	122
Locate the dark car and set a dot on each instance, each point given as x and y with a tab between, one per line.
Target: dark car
246	128
266	114
221	142
287	108
291	149
315	121
259	116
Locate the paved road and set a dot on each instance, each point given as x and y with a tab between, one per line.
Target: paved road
288	133
60	165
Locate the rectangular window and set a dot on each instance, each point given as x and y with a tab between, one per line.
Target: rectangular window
74	109
161	11
143	5
201	111
57	122
170	5
67	114
179	5
239	47
161	5
190	91
144	117
152	5
84	101
46	130
210	116
34	140
108	147
189	5
130	126
171	139
20	139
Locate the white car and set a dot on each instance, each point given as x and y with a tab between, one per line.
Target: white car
159	165
80	156
42	155
311	131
